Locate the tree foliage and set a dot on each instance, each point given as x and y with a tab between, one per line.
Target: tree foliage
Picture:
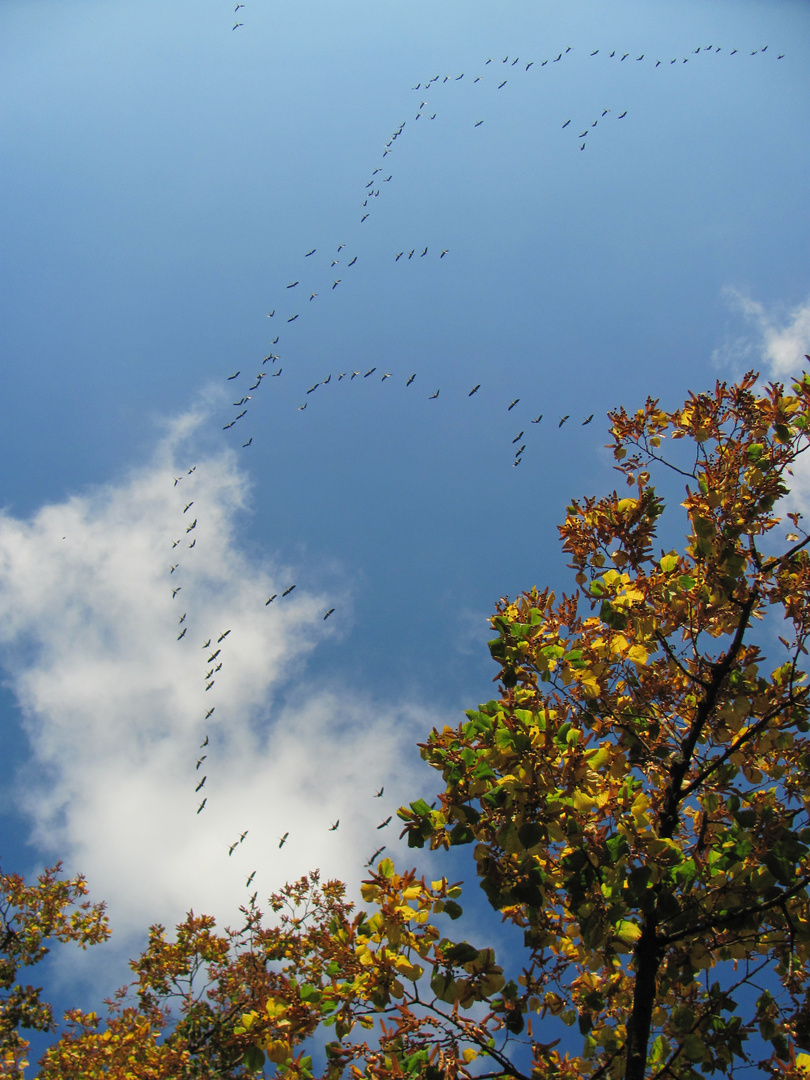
30	916
637	800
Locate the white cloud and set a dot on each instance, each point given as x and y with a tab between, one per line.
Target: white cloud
114	705
776	344
777	340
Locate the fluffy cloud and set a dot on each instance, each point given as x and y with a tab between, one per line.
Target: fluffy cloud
778	340
114	705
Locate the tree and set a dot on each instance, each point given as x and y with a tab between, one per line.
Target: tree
637	797
31	915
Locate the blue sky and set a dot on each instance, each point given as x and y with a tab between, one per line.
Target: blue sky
163	177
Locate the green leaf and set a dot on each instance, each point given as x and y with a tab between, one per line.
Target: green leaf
253	1059
461	953
452	909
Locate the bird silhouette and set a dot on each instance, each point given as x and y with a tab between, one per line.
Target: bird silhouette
250	880
334	825
201	784
182	633
329	612
408	383
432	397
563	419
288	591
282	840
200	760
378	794
202	805
270	601
386	822
514	403
205	740
474	390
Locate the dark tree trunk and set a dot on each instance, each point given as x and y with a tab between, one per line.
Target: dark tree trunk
648	957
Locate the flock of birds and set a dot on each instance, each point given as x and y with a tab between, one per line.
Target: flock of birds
216	647
322	275
319	276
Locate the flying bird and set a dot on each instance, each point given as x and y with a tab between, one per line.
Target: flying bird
223	636
369	372
563	419
208	687
272	598
480	122
213	656
474	390
176	591
567	122
250	880
237	25
250	440
335	283
292	284
503	84
517	438
193	542
432	397
514	403
423	253
242	836
193	525
292	319
205	740
288	591
201	783
233	847
329	612
408	383
182	618
270	315
200	760
202	805
282	840
233	376
183	633
378	794
379	851
334	825
584	422
622	116
445	252
354	260
539	418
384	823
207	644
309	253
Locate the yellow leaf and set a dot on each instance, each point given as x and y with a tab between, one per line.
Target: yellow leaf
638	654
628	932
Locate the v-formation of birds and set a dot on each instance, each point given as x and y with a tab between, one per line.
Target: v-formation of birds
496	73
494	76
